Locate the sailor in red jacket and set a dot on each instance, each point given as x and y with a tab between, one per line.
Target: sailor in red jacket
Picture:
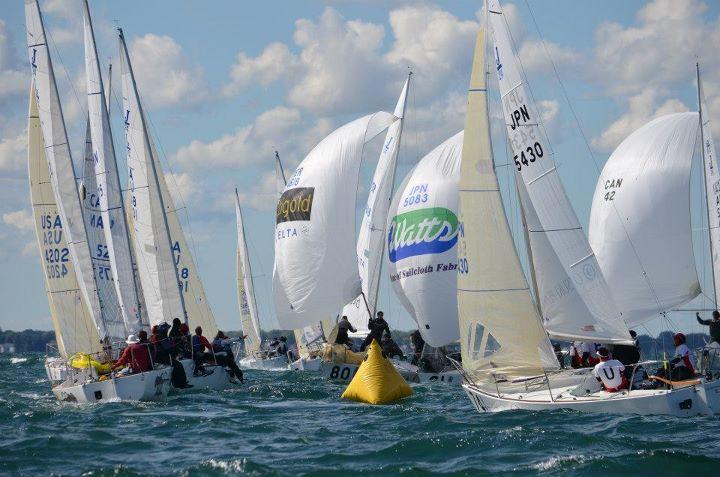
136	354
683	366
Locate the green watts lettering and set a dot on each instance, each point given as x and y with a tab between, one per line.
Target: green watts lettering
295	204
423	231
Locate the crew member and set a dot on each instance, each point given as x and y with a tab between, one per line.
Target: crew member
714	325
136	354
199	345
581	355
610	372
628	354
418	343
222	345
344	326
683	365
377	327
390	348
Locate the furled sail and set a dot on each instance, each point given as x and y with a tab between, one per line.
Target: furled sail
116	243
62	173
315	271
500	329
422	236
594	313
95	226
712	187
640	226
371	242
246	291
75	330
153	245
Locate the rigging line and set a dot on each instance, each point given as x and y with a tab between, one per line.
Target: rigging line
67	72
587	144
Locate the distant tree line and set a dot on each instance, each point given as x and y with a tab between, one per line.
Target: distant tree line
28	340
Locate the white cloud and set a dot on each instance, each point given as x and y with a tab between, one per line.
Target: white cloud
30	249
13	154
279	128
534	57
184	188
641	109
262	195
20	219
275	62
13	81
164	74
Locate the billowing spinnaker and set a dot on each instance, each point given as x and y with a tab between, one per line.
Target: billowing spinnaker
315	271
62	173
533	161
371	241
422	236
246	293
640	222
500	330
75	330
109	203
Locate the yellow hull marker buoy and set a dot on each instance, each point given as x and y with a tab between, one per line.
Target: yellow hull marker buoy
376	381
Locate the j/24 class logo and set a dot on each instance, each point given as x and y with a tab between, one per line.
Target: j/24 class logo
421	232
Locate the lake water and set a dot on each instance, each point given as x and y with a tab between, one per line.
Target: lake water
285	423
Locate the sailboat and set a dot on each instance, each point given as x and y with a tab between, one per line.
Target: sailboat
67	246
422	254
254	356
504	369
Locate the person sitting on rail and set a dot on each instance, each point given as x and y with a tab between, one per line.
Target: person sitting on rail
683	362
610	372
199	345
136	355
222	345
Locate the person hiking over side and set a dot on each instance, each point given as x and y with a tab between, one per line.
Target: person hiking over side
378	326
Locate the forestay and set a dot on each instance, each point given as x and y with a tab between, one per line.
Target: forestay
109	201
422	237
500	330
62	173
371	242
95	226
75	330
246	292
712	187
594	313
640	222
315	271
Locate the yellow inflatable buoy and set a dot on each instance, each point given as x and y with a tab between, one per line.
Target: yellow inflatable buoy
376	381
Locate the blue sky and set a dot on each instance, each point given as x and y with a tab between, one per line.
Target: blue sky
225	83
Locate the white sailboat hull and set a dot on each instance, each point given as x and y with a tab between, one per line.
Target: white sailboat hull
700	399
311	365
56	369
149	386
345	372
219	379
278	363
446	377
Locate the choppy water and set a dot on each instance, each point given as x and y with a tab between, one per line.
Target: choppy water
291	424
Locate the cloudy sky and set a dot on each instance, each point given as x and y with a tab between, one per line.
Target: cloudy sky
225	83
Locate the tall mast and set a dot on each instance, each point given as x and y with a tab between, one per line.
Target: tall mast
282	171
109	88
705	180
141	116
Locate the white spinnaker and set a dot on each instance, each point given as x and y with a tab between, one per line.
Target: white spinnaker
109	192
155	258
75	330
95	225
640	222
246	292
371	242
556	217
712	187
62	173
422	235
500	329
315	271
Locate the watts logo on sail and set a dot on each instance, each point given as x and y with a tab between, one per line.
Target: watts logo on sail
295	204
422	231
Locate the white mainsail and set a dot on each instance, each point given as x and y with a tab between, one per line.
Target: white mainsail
711	175
639	224
153	246
75	330
422	237
315	270
500	329
371	242
95	226
246	291
109	193
594	313
62	173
